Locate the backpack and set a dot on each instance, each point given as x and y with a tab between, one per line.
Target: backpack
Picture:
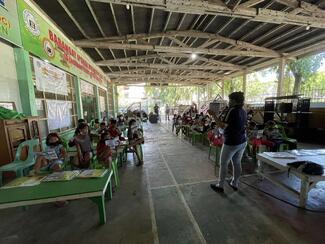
306	167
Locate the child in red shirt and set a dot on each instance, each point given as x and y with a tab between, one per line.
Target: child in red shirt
104	152
113	130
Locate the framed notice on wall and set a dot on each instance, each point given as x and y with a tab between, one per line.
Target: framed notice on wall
8	105
49	78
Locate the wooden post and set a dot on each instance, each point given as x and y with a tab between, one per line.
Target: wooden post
282	65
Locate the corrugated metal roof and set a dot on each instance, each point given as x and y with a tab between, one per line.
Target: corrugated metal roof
115	19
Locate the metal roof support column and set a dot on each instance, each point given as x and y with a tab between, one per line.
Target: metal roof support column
244	82
198	97
223	89
282	65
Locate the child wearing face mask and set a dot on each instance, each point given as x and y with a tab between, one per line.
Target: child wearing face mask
83	145
54	154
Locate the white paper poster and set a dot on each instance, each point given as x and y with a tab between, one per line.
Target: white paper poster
86	88
59	115
49	78
102	104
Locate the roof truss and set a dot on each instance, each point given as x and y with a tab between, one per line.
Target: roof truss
213	7
168	49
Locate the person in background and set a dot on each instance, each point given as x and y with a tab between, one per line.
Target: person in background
71	141
54	155
81	121
114	131
96	125
120	121
215	136
104	152
250	115
167	111
102	128
126	120
83	145
174	122
156	109
273	134
135	140
206	125
178	124
233	148
254	140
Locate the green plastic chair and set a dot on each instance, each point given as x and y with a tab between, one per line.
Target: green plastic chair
196	136
115	173
140	151
216	156
19	166
95	164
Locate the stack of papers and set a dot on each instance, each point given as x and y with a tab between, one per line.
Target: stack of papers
24	182
61	176
92	173
303	152
284	155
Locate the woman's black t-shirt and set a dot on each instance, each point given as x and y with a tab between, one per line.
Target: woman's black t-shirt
235	132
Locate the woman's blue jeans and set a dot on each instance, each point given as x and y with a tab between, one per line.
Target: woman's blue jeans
233	154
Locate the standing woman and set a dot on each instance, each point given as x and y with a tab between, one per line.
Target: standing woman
234	124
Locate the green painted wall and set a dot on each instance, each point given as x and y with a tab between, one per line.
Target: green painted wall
25	81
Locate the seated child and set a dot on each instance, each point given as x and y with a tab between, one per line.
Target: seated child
102	128
104	152
54	154
114	131
83	145
121	123
215	135
255	139
97	124
272	133
206	125
135	139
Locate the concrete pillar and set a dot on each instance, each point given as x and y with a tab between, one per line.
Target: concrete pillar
99	116
107	103
282	65
80	111
114	97
25	82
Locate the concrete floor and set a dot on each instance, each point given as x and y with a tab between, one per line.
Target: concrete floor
168	200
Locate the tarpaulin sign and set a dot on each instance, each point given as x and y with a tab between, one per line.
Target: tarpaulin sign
49	78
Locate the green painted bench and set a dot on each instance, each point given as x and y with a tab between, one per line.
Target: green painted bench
95	189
